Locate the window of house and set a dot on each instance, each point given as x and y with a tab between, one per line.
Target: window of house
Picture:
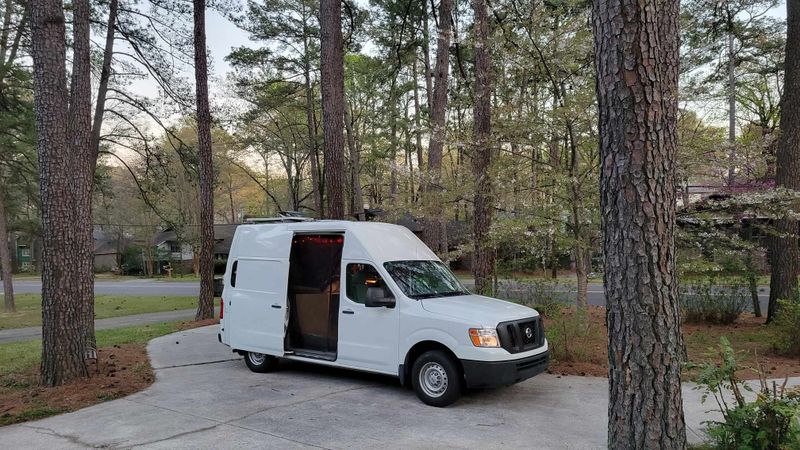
25	252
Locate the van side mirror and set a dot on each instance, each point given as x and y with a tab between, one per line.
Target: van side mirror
376	298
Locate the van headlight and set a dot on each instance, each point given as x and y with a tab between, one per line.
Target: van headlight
484	337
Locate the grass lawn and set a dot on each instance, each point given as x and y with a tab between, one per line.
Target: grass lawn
29	307
123	368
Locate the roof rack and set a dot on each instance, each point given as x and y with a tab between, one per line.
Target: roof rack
284	216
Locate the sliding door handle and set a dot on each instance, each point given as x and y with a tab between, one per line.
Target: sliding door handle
348	311
276	306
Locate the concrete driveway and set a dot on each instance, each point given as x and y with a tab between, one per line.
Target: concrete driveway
205	397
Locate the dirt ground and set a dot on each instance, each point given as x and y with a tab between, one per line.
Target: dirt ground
749	336
120	370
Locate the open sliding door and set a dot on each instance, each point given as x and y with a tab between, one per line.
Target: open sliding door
313	294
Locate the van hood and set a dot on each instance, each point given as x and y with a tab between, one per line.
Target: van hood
482	310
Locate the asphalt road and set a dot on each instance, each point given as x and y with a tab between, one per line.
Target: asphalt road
205	398
596	295
125	287
27	333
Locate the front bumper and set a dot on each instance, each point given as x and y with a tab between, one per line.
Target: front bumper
480	374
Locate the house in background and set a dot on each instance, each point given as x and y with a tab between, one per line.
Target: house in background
180	255
107	253
25	261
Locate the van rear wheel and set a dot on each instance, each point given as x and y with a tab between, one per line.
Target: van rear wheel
259	362
436	379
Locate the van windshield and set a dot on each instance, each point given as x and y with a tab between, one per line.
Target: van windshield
425	279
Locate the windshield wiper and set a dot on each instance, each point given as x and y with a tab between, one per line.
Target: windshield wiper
439	294
454	293
428	295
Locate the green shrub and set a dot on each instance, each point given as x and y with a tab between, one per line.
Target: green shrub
708	301
787	323
768	422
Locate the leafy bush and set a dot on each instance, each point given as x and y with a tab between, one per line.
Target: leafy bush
707	301
787	322
547	297
766	423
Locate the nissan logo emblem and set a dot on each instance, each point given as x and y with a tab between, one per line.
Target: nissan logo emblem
529	332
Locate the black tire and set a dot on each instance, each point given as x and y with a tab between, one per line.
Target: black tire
443	385
259	362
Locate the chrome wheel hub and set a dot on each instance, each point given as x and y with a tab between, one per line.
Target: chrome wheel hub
257	358
433	379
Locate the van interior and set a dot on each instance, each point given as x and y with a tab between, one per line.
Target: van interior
314	271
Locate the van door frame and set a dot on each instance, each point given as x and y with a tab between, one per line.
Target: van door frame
333	317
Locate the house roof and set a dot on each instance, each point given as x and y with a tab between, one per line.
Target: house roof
223	236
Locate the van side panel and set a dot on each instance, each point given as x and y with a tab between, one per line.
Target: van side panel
258	306
255	312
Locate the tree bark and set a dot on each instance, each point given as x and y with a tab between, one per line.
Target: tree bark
63	343
636	58
784	252
483	261
332	61
434	223
205	304
79	129
5	258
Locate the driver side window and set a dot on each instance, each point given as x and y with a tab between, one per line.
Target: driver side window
364	282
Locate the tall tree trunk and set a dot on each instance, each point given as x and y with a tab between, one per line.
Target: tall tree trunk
731	111
311	123
5	257
483	261
79	130
434	223
636	59
205	304
580	250
355	167
784	251
426	52
417	126
332	61
105	76
62	336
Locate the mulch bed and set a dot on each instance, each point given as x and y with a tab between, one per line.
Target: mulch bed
120	370
700	340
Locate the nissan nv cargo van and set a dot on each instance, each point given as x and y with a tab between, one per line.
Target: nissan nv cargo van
370	296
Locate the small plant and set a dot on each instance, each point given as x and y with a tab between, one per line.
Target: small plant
787	323
768	422
708	301
568	334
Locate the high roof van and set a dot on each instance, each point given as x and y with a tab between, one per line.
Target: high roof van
373	297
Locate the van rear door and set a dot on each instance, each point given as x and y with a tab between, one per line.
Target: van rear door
258	305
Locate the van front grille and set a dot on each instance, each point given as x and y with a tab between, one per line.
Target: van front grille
521	335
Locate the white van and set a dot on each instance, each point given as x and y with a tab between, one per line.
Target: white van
370	296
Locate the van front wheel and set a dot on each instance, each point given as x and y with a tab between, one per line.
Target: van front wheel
436	378
259	362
